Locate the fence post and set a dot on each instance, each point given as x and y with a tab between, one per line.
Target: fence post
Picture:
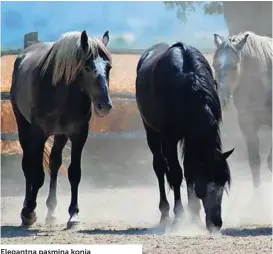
30	38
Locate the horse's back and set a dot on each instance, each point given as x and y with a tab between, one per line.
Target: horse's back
165	83
149	57
158	84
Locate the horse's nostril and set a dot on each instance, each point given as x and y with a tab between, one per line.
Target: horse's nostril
109	106
99	106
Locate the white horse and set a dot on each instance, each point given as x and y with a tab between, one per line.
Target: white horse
243	69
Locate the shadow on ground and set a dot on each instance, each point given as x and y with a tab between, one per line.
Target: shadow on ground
233	232
128	231
17	231
246	232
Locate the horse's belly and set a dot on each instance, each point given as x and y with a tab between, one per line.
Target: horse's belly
155	115
55	127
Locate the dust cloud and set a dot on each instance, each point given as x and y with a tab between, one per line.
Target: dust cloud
123	195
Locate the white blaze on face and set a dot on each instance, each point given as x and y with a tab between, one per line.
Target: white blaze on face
223	85
100	65
222	59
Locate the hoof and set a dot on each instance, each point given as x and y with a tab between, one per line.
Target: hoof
196	220
29	220
214	230
50	220
164	223
177	222
256	185
73	222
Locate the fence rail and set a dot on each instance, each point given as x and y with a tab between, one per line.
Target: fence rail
112	51
125	97
102	135
117	95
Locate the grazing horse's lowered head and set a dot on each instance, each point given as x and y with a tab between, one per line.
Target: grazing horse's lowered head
85	61
235	55
210	186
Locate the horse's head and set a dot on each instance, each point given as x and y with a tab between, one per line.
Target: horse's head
226	64
210	185
96	71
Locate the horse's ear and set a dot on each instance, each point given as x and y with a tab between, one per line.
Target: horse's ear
241	43
218	40
84	40
105	38
228	153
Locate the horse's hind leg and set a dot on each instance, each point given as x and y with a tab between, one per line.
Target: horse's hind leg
74	172
55	162
160	167
169	148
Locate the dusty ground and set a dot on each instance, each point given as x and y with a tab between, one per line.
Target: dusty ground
119	204
129	215
119	201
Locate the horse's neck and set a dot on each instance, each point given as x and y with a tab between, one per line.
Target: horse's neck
251	91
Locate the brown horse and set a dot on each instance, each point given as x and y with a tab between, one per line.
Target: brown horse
53	88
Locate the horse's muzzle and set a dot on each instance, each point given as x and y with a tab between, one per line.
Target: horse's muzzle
103	109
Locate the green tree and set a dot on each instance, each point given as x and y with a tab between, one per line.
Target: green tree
240	16
185	7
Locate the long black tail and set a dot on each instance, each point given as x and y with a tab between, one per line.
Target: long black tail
202	110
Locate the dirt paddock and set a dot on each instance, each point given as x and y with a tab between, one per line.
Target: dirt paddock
130	215
119	201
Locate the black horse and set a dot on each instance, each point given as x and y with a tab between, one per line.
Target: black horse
53	88
178	102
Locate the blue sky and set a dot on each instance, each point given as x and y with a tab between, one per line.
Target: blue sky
137	24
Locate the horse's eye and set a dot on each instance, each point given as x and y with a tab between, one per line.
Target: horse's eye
109	67
88	68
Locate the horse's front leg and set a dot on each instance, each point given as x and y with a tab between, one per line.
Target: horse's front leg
34	173
193	201
74	172
269	159
55	162
250	132
160	167
169	149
